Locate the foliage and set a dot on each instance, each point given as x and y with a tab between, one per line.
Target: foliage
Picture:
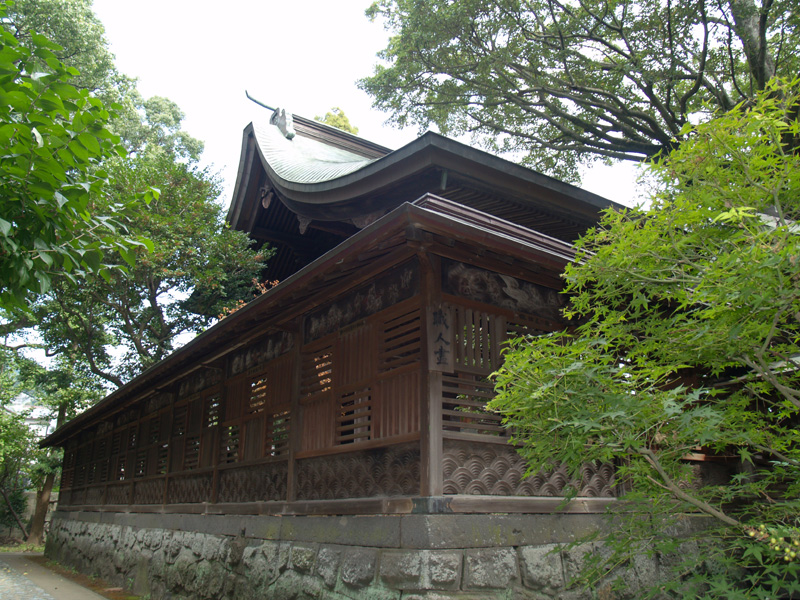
197	268
560	81
53	138
686	342
335	117
79	34
17	499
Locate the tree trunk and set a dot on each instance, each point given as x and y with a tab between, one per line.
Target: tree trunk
13	512
36	535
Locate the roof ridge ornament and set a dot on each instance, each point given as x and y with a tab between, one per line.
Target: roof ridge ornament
283	121
280	118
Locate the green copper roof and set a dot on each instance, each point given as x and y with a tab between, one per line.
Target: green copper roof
303	159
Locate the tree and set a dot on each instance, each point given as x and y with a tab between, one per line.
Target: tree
557	82
197	268
17	443
335	117
685	341
53	138
73	26
65	392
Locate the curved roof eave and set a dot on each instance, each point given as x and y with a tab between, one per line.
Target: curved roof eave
428	150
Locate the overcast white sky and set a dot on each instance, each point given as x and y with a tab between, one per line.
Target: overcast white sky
304	56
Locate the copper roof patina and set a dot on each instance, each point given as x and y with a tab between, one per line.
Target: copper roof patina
303	159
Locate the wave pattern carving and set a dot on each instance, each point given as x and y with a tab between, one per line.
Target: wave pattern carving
190	489
253	484
392	471
497	470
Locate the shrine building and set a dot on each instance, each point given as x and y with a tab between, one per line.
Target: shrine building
333	431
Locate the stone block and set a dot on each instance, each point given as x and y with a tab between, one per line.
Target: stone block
402	569
262	527
443	569
541	567
295	586
328	560
358	567
575	560
498	531
491	568
302	557
375	532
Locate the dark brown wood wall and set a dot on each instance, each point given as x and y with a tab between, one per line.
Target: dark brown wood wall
390	402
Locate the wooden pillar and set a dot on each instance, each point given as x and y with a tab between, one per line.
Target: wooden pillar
295	416
431	382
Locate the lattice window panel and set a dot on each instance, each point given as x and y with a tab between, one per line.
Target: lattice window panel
179	420
213	411
191	456
101	460
121	472
140	466
80	476
257	400
91	473
132	438
316	375
67	477
161	459
400	341
278	433
464	398
354	418
229	444
477	340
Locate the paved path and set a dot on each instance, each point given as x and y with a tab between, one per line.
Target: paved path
23	579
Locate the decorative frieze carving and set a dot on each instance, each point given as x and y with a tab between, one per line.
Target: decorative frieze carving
260	352
504	291
393	287
190	488
199	381
257	483
498	470
392	471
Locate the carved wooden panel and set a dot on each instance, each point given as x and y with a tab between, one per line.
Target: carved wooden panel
261	352
189	488
255	483
393	287
78	496
495	469
93	495
118	493
149	492
480	285
199	381
392	471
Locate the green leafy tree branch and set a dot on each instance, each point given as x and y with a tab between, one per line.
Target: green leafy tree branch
558	83
53	140
685	345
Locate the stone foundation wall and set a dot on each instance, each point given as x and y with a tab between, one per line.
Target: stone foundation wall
403	557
